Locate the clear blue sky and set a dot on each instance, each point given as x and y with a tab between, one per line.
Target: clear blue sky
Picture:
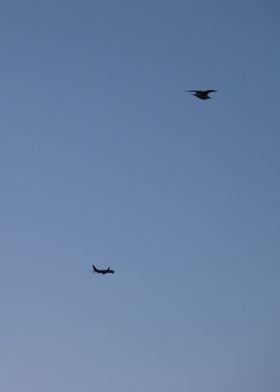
105	159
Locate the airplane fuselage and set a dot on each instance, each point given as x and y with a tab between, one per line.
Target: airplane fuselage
102	271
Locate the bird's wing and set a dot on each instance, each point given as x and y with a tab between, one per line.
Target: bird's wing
210	91
191	91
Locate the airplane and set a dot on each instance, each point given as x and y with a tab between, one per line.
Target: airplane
201	94
102	271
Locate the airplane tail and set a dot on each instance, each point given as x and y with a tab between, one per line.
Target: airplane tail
94	268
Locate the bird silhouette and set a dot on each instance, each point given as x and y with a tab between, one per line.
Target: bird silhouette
201	94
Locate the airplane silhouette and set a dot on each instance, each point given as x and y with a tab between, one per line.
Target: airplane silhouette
102	271
201	94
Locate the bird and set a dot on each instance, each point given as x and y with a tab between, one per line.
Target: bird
201	94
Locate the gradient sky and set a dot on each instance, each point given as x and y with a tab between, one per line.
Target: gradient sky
105	159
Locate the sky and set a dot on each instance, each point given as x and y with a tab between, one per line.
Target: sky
105	159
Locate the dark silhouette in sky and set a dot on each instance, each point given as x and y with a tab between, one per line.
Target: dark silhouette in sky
102	271
201	94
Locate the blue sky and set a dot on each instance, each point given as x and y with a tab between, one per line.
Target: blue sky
105	159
